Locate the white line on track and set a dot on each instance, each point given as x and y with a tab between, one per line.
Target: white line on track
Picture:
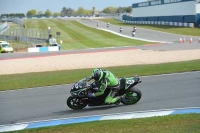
119	34
146	111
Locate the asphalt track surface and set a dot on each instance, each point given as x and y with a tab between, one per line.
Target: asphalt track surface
156	47
158	92
140	32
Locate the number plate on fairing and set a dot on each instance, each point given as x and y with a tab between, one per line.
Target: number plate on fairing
130	82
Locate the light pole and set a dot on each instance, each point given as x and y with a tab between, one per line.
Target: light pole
11	37
49	31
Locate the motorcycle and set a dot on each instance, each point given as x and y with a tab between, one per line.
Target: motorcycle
120	29
79	93
133	33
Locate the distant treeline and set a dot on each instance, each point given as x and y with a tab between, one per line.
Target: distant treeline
19	15
80	11
69	12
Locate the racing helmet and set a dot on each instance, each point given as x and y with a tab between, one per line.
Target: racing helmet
97	74
94	70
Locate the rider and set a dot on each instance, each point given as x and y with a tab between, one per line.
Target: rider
108	24
120	29
106	79
134	28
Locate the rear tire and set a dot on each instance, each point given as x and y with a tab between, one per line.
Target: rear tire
76	103
132	96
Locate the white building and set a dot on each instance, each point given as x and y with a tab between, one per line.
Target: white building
166	10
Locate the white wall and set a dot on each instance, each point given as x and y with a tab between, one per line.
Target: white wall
54	48
35	49
198	8
181	8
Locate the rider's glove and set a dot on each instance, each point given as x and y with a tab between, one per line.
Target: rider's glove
91	95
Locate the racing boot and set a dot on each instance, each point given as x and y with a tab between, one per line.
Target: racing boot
118	100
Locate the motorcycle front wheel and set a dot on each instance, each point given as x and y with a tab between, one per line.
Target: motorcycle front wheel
76	103
132	96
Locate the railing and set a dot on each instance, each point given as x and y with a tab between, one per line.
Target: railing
158	23
23	39
18	21
25	35
3	27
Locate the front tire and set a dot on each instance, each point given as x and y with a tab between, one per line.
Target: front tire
132	96
76	103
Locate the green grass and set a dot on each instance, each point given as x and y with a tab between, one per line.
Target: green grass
78	36
188	123
29	80
171	29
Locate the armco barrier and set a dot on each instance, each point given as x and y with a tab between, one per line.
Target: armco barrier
128	115
44	49
159	23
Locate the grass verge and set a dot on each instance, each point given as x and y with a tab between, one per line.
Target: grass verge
188	123
29	80
171	29
75	35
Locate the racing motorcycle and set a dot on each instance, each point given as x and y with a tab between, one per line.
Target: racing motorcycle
79	93
133	33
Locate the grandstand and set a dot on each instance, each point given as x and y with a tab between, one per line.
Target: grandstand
184	11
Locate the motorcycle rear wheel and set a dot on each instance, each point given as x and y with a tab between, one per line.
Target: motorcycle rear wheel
132	96
76	103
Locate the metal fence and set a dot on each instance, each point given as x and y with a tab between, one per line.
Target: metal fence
23	39
25	35
22	34
18	21
3	27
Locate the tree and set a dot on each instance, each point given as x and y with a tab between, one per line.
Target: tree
128	9
48	13
106	10
40	13
120	10
90	12
67	11
82	11
109	10
93	10
31	13
56	14
21	15
124	9
64	11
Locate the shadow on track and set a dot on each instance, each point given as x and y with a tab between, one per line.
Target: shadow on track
88	109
